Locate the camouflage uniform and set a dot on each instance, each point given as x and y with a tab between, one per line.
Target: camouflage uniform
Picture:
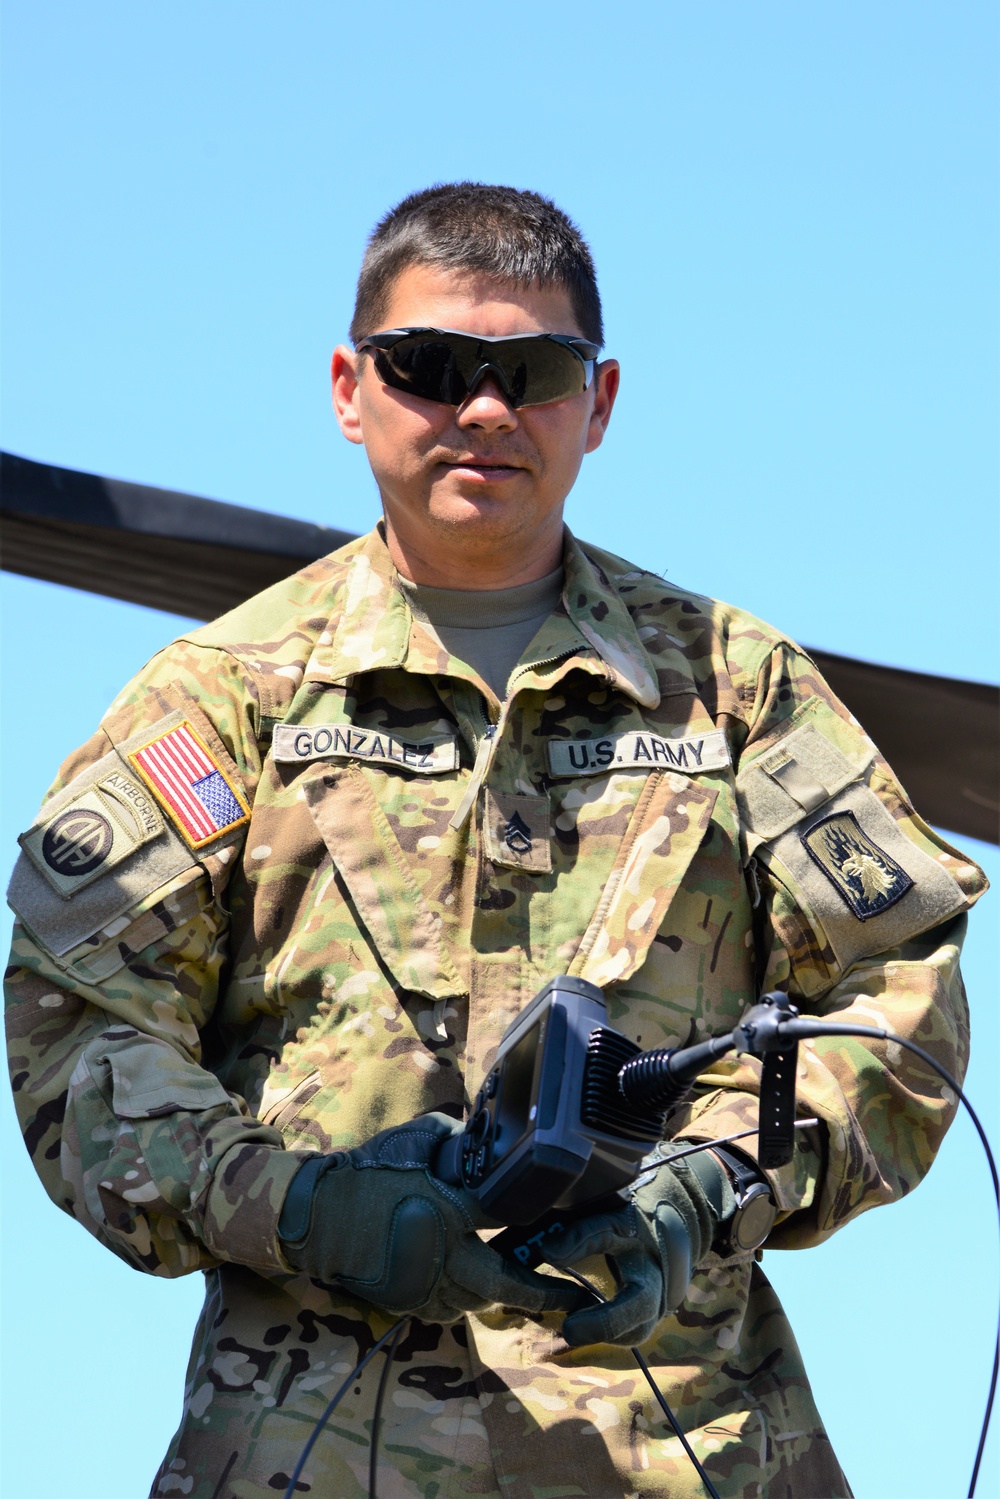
189	1013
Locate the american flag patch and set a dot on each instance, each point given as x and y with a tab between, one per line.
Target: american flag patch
179	767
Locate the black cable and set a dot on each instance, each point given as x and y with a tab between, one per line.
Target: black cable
290	1490
678	1155
710	1486
390	1354
989	1411
803	1029
713	1492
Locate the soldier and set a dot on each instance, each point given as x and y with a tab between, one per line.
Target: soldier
322	851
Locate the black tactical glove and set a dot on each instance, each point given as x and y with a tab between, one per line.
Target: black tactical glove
374	1222
656	1239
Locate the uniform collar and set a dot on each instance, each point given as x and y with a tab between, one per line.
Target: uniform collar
591	627
597	610
374	629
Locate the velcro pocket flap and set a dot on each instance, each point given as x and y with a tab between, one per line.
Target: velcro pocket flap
663	836
406	933
150	1077
797	774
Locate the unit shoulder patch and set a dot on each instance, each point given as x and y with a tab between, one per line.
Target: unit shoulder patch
427	756
859	877
98	849
861	872
200	799
641	750
100	827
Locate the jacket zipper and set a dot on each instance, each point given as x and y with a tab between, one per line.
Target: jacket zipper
484	753
478	776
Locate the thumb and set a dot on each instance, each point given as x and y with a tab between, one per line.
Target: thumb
480	1269
674	1243
629	1317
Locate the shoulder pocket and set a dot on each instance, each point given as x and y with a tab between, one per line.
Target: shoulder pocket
813	820
85	830
794	773
156	922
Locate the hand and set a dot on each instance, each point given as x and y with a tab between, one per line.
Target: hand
656	1240
376	1223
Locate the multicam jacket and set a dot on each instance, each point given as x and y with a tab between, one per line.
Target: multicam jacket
272	906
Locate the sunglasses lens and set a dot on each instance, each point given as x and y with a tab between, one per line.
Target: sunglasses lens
425	367
539	371
443	367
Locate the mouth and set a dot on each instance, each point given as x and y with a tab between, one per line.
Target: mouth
483	469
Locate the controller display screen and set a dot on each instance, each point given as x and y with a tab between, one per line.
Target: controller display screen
513	1114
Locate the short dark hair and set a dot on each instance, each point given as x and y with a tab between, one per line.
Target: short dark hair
474	226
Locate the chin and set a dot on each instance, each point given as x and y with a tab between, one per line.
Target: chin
483	508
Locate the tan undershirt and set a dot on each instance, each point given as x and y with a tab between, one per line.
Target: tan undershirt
488	629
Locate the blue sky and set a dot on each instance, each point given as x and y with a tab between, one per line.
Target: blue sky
794	214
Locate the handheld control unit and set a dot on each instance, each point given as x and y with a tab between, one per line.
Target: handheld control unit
568	1109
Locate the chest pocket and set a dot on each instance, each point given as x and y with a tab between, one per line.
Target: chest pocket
664	833
397	908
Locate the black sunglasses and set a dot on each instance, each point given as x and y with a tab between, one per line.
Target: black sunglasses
442	364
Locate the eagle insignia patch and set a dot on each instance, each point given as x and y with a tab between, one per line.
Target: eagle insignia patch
862	873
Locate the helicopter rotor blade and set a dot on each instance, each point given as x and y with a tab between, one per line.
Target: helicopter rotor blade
155	547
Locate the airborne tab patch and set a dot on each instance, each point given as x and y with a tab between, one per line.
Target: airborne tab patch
190	784
862	873
327	741
638	751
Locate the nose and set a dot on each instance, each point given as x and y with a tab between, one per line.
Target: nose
487	409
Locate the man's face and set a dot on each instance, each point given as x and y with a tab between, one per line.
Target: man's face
480	485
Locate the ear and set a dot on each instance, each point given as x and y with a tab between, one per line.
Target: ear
606	380
344	376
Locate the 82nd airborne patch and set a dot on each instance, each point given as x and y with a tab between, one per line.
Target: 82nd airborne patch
862	873
104	823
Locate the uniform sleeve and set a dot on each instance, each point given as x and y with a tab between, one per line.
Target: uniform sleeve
122	935
860	916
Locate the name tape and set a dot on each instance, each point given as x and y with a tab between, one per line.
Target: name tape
631	751
327	741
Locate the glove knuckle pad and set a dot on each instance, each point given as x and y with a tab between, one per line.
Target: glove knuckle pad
412	1261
